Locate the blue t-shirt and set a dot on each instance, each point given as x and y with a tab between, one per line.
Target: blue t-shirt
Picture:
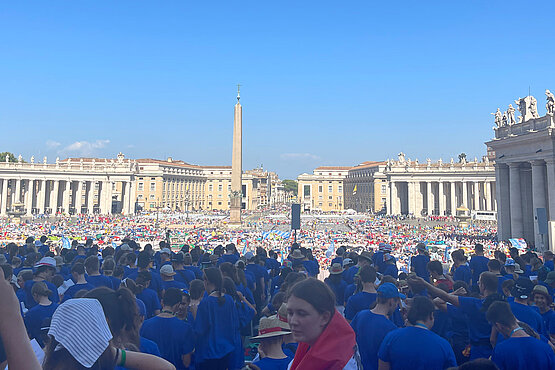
149	347
115	282
70	292
349	291
349	275
231	258
216	328
391	270
479	329
174	338
420	265
416	348
151	301
30	301
370	330
463	273
358	302
174	284
523	353
273	363
377	258
35	317
338	289
549	265
184	276
528	315
478	264
548	321
196	271
100	280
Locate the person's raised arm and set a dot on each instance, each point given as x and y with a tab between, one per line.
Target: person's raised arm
19	353
436	292
141	361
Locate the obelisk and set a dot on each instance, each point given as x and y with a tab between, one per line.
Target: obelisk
237	165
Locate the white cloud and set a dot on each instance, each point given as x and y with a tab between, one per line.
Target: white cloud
51	144
299	156
84	148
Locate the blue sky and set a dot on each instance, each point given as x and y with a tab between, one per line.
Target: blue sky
323	83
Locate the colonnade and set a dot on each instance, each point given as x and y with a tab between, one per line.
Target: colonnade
440	197
69	196
527	199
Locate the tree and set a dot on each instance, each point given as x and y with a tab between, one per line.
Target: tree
10	156
290	186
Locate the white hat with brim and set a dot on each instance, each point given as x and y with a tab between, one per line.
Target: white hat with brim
270	327
167	270
46	261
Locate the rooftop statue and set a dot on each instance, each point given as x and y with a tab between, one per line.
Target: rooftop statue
498	118
511	113
550	104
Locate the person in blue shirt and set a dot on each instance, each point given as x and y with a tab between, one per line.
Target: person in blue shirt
478	263
543	300
78	273
174	337
167	274
92	267
390	268
147	295
144	263
522	291
229	255
44	271
460	267
188	265
337	284
364	259
419	263
216	325
271	333
518	351
181	274
416	346
371	326
366	297
339	255
548	260
474	308
35	317
259	274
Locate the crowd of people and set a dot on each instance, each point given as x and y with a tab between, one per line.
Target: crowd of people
378	299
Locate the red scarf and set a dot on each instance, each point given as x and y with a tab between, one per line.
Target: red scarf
333	349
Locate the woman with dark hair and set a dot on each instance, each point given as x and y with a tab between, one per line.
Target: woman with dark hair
229	270
337	284
461	270
216	325
196	292
326	340
291	279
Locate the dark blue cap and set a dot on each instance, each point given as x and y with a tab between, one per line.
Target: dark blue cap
389	290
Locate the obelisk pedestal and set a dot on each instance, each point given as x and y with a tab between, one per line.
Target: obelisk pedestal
236	196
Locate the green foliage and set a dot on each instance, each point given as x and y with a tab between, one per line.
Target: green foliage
10	156
290	186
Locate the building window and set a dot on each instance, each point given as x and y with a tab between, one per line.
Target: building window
151	196
140	196
320	188
330	189
220	187
306	190
384	188
229	187
329	204
320	197
339	188
152	186
219	203
141	186
320	204
210	187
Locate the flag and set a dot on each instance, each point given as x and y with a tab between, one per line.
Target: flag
355	190
245	248
65	243
331	249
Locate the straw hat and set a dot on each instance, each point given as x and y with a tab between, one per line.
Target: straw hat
336	269
270	327
297	254
282	316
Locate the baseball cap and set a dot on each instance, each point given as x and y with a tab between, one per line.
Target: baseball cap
249	256
389	290
167	270
523	288
510	262
178	257
85	338
166	250
46	261
347	261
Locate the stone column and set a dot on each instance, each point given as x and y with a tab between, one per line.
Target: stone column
517	230
441	195
453	198
132	196
538	199
41	198
90	197
394	197
551	187
429	198
476	196
109	186
465	195
4	204
66	203
79	197
411	195
502	184
125	197
487	200
54	196
29	195
18	190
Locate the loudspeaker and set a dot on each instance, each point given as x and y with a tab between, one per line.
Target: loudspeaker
295	216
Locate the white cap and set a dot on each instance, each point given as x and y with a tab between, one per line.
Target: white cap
79	325
166	250
46	261
167	270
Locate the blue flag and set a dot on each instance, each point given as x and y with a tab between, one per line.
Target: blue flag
65	243
331	249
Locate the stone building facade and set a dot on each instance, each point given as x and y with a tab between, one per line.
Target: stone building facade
323	189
